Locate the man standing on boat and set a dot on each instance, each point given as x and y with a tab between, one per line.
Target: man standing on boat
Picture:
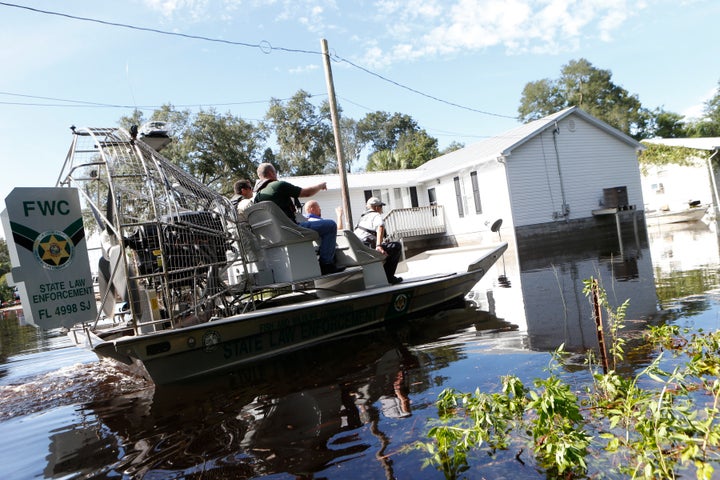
371	231
284	194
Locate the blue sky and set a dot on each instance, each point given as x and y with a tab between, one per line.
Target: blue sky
476	54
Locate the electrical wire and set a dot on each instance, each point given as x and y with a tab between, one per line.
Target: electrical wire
81	103
427	95
263	46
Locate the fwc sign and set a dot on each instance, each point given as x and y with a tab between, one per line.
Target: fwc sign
48	251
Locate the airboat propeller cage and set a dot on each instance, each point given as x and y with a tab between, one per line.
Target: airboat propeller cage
166	239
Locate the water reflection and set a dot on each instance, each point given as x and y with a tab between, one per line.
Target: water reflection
299	413
685	258
547	277
17	337
652	268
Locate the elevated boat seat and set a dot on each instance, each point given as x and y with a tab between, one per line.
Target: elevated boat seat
351	252
289	248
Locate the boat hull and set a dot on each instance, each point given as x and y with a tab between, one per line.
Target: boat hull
185	353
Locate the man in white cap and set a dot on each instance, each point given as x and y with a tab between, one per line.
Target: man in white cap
371	231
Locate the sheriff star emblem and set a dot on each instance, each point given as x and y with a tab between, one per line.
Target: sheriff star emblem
54	250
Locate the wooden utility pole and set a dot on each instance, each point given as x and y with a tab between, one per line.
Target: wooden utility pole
347	214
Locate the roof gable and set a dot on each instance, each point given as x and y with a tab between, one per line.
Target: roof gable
503	144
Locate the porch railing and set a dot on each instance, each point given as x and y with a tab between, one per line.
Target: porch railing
414	222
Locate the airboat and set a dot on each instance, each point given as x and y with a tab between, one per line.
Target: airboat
186	287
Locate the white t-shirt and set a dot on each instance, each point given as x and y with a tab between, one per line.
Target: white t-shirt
370	220
242	206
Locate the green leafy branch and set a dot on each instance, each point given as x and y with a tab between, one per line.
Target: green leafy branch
654	424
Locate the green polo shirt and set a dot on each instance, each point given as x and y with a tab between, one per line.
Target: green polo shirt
281	193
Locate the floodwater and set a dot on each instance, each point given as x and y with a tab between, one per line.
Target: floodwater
350	408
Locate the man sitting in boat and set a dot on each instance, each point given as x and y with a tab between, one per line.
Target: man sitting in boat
327	229
371	230
243	197
269	188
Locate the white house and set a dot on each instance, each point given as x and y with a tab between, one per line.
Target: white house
673	186
551	174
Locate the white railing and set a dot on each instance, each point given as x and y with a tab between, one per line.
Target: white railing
413	222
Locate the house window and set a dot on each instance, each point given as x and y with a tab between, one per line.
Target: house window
398	198
476	192
458	197
373	193
413	197
432	199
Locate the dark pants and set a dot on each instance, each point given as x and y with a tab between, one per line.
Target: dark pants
393	250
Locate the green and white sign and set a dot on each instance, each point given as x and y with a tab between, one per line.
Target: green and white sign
48	251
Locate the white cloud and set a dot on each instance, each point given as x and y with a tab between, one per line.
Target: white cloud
402	30
418	29
193	9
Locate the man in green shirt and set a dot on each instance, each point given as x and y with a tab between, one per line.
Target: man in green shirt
284	194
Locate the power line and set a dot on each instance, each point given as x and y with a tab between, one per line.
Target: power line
82	103
79	103
264	46
427	95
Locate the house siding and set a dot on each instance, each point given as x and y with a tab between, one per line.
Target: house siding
494	198
590	160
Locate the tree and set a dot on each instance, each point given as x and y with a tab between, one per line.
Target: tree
5	265
589	88
135	118
665	124
383	131
397	142
382	160
712	108
351	142
454	145
216	148
540	99
703	128
222	149
709	124
415	148
304	135
6	292
179	150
